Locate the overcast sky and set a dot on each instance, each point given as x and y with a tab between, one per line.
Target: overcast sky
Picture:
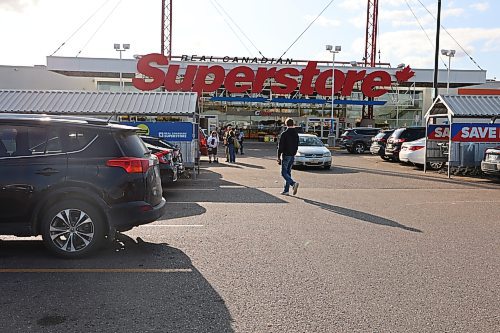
33	29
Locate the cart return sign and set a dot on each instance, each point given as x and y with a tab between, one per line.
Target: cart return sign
470	132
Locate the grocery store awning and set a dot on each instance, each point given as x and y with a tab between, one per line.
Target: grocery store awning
465	106
99	103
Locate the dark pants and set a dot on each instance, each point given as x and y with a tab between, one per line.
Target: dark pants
232	155
286	171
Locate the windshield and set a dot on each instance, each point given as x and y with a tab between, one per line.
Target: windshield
309	141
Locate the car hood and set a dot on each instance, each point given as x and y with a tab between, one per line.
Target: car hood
312	150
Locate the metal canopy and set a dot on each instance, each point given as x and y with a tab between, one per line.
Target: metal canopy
465	106
98	103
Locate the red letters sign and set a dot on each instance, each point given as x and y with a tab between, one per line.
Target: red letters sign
244	79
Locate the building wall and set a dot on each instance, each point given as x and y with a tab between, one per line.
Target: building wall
39	78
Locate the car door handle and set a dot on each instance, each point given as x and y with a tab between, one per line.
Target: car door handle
47	172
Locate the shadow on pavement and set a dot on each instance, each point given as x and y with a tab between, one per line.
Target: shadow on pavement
430	178
177	299
361	216
335	170
211	187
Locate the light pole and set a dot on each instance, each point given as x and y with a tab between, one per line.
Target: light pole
449	54
337	49
121	48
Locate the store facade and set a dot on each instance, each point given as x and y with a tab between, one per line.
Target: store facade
257	94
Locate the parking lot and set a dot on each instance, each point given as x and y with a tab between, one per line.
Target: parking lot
368	246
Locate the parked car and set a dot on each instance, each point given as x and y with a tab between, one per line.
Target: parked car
168	169
75	181
176	151
399	136
378	143
312	152
491	161
358	140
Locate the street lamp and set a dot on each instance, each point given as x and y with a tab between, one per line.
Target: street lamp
449	54
121	48
333	50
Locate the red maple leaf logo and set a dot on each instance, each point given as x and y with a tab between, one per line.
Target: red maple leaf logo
405	74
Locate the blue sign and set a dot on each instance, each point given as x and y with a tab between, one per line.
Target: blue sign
170	131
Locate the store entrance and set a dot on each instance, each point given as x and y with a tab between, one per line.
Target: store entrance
321	127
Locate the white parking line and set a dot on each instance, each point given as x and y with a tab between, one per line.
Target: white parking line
173	225
448	202
95	270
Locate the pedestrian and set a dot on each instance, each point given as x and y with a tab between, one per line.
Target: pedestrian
231	142
240	140
213	143
287	148
226	141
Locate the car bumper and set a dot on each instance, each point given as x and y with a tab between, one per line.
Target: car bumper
490	167
404	155
376	150
319	161
132	214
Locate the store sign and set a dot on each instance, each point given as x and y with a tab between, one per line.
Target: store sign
170	131
241	79
438	132
475	132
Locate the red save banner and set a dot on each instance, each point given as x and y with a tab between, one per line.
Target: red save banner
475	132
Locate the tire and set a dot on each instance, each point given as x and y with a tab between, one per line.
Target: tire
327	167
385	157
359	148
72	229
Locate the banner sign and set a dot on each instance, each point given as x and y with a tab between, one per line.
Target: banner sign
438	132
475	132
170	131
308	81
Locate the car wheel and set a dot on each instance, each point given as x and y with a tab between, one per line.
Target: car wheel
385	157
327	167
72	228
359	148
435	165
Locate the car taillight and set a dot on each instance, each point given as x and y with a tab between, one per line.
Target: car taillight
164	157
399	140
130	164
382	140
415	147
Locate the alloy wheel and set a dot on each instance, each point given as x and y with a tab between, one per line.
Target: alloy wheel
71	230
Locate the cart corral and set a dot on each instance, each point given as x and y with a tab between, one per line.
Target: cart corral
459	129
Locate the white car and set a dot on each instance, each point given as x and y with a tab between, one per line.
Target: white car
312	152
414	152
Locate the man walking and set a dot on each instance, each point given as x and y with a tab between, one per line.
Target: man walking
287	148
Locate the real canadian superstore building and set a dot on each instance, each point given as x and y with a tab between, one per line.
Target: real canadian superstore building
403	104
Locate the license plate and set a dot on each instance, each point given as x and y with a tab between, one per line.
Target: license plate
313	160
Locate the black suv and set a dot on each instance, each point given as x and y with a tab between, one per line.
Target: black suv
75	181
378	143
404	134
357	140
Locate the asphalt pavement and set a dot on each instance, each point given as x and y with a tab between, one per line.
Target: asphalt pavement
368	246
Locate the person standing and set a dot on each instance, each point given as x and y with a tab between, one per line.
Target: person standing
229	128
231	138
240	140
287	148
213	143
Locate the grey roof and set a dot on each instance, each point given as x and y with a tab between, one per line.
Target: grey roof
475	106
98	102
